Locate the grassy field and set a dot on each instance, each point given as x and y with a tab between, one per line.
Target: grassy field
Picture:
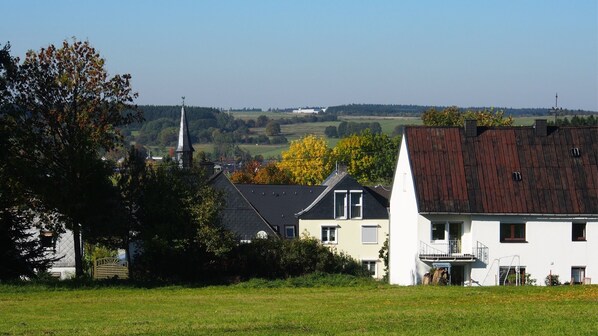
296	131
362	310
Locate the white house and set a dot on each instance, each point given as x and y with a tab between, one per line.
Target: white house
492	205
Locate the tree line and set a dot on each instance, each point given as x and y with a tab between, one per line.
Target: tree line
59	113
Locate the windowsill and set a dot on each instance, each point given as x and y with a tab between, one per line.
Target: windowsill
579	240
376	243
329	243
514	241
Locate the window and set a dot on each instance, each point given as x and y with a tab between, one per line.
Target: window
356	204
289	231
438	231
369	266
578	232
340	204
578	275
510	276
328	234
369	234
47	239
512	233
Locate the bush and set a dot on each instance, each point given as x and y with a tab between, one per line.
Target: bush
552	280
276	259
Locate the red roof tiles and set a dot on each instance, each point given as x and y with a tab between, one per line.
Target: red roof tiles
457	174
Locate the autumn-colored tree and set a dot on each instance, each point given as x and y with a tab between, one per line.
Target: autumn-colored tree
308	160
256	173
453	116
67	112
370	157
272	174
246	173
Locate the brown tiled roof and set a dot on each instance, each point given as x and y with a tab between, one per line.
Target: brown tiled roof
458	174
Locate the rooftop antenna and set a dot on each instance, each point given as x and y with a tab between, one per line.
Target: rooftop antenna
556	108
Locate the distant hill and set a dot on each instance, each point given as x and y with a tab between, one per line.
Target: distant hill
417	110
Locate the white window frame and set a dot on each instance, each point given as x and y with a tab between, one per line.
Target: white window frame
360	204
329	228
370	261
345	207
369	226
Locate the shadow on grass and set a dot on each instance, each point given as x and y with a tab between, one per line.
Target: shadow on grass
306	281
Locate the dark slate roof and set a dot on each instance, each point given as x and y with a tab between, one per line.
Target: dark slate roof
184	144
374	207
381	193
278	204
238	215
457	174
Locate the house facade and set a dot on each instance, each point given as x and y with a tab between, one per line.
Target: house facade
495	206
349	218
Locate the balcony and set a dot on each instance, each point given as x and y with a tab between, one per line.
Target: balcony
452	251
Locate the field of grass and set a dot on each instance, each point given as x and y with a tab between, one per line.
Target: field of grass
373	309
296	131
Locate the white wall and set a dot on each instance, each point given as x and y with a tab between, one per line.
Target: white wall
349	238
549	247
404	223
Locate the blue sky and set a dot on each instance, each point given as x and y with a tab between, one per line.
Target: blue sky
322	53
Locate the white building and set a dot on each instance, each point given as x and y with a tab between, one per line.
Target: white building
493	205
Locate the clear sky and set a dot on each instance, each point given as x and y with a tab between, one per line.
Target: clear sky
277	53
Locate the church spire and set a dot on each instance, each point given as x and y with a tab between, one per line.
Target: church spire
184	150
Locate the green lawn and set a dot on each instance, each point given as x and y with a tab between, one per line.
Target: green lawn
370	310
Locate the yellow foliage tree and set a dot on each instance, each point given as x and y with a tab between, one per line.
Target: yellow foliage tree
308	160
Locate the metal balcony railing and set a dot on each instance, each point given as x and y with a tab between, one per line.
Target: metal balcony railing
452	250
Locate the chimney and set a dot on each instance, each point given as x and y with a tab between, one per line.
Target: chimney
208	167
471	128
541	127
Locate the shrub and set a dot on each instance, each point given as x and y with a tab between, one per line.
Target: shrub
552	280
274	258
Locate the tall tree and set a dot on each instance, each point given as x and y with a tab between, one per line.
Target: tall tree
68	111
308	160
20	249
369	157
453	116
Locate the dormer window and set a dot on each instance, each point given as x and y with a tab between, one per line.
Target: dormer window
356	204
340	204
575	152
348	204
516	176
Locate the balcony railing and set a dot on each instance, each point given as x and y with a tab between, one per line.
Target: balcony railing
452	250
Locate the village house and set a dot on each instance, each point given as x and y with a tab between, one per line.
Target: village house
495	206
344	215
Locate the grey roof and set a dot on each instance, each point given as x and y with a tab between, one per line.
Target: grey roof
184	144
375	206
278	204
238	215
329	183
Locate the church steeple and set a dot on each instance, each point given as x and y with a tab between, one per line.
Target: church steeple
184	150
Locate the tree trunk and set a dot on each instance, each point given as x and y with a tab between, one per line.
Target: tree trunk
78	251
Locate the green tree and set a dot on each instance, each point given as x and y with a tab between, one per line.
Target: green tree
453	116
20	249
330	132
370	157
308	160
176	224
68	111
273	128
